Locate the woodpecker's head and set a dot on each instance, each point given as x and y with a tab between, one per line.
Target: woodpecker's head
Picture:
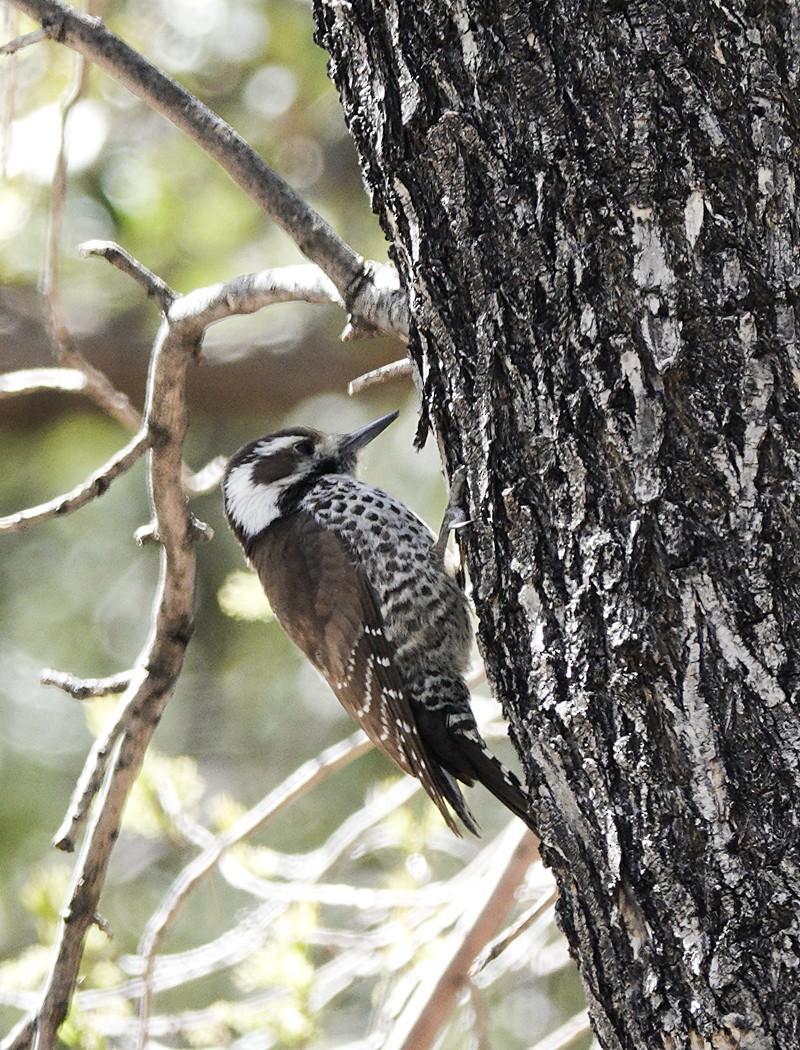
266	477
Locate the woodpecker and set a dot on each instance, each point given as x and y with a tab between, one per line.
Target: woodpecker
361	586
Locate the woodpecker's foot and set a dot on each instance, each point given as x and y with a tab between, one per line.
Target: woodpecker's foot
454	515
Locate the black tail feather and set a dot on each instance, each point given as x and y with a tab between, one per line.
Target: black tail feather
455	744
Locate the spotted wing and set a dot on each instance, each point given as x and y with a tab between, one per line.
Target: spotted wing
325	603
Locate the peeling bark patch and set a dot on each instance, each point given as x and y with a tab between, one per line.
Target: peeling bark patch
648	431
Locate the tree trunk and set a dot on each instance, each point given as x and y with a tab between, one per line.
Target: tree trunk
592	208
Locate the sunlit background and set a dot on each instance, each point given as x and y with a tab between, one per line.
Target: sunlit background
75	594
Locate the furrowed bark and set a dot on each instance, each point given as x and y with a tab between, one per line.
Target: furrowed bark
592	208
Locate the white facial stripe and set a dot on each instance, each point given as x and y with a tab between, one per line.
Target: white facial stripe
252	506
276	444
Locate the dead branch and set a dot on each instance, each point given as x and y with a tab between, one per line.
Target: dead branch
244	294
394	370
250	292
499	944
155	287
386	309
20	42
249	933
566	1034
98	386
306	777
116	758
63	351
157	670
432	1003
86	688
95	485
206	478
36	380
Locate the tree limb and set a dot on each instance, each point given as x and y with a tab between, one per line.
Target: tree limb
306	777
394	370
155	287
157	670
86	688
116	758
35	380
96	485
386	309
430	1006
20	42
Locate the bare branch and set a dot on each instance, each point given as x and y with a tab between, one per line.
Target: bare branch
428	1009
35	380
567	1034
94	486
86	688
83	378
36	37
353	277
98	386
250	292
193	312
507	937
301	781
63	351
75	922
394	370
9	26
121	751
234	945
338	895
95	766
207	478
155	287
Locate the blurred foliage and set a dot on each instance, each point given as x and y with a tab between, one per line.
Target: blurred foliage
136	180
75	594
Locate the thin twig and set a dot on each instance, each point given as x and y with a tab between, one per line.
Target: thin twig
94	769
62	348
480	1022
182	824
234	945
385	308
430	1006
36	37
206	478
36	380
9	25
507	937
92	488
86	688
155	287
394	370
344	895
98	386
566	1034
301	781
75	923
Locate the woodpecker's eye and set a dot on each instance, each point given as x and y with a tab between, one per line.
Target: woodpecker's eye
305	447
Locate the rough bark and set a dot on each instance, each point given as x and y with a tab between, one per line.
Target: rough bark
592	208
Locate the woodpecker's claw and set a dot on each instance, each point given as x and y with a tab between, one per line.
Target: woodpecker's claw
454	515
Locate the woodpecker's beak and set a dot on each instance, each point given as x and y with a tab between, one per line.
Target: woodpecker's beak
350	444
